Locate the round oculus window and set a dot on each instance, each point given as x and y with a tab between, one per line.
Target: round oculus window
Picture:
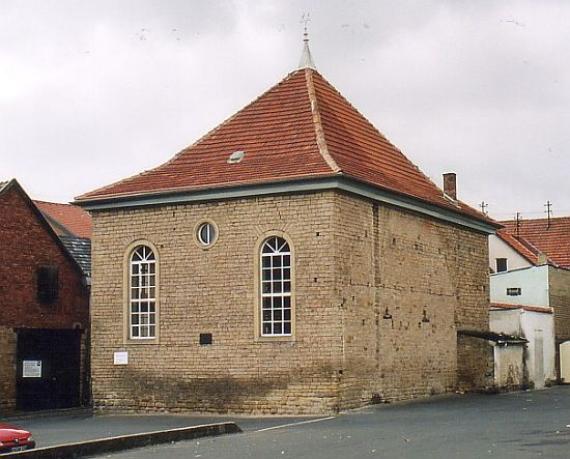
207	234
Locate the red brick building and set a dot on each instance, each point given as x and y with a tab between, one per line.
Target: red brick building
44	299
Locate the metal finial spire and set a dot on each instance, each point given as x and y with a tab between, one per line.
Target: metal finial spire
306	61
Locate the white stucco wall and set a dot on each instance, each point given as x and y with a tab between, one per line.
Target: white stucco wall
499	249
534	324
532	281
531	326
509	366
505	321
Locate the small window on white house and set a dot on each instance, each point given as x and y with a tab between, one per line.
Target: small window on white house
501	264
275	287
514	291
207	234
142	293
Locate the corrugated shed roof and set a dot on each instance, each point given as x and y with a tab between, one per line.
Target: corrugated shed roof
300	128
500	339
552	239
73	218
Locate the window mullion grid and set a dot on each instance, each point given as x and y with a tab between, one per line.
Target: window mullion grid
138	299
271	297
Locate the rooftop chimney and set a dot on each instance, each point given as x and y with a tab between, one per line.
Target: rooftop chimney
450	185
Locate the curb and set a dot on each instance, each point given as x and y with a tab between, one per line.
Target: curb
113	444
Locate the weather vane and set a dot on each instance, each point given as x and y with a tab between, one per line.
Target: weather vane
305	19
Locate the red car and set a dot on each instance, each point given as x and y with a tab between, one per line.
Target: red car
14	439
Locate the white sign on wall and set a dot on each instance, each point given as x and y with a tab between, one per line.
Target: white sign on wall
32	369
121	358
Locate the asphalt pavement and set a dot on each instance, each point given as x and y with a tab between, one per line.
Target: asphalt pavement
516	425
76	427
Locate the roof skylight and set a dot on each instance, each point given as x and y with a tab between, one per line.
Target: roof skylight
236	157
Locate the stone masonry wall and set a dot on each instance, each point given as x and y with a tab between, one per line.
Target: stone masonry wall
476	370
7	370
406	284
380	294
212	291
559	297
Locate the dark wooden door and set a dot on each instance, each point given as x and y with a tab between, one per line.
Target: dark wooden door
48	371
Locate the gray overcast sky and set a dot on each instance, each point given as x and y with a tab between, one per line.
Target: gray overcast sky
95	91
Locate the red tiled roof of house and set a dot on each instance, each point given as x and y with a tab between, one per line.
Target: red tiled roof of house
73	218
521	246
543	309
300	128
553	240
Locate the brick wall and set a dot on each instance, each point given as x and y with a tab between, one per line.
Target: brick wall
406	284
26	245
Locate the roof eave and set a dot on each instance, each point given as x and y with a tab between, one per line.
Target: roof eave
287	186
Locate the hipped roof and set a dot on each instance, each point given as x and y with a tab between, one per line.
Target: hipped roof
301	128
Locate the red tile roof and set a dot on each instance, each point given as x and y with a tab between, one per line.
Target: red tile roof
553	240
543	309
300	128
73	218
521	246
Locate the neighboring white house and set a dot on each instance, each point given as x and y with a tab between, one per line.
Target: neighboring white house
529	261
536	325
528	299
504	257
523	286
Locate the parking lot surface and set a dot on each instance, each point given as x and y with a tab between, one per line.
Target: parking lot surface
57	430
517	425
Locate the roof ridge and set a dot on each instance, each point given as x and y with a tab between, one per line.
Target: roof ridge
319	131
384	137
189	147
54	203
542	219
5	184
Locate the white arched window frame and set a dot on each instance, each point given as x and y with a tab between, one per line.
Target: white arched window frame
275	282
142	293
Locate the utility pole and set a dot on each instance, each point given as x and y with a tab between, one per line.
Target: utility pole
548	212
483	207
518	220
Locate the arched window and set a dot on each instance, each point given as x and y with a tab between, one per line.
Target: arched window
142	293
275	287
